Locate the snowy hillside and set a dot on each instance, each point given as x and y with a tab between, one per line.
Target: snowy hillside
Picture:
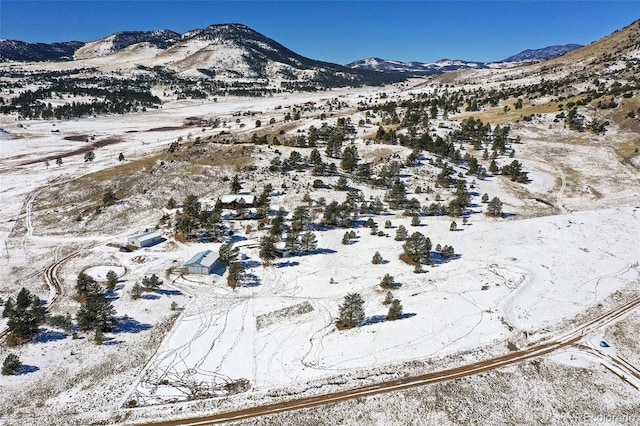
418	253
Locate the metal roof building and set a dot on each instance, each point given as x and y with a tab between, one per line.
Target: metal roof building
202	263
144	240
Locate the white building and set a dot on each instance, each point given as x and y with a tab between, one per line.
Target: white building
202	263
144	240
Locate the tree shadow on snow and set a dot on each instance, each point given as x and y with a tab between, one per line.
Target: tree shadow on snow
149	296
169	292
250	280
287	264
110	341
438	259
119	286
129	325
248	264
26	369
47	336
322	251
376	319
237	238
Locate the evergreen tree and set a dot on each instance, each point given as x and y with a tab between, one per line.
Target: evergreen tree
235	185
38	310
267	249
112	280
351	312
494	207
151	282
447	251
23	301
387	281
395	310
378	206
377	258
59	161
453	226
23	325
473	166
493	167
96	311
418	248
415	220
25	316
308	242
292	242
121	157
401	233
349	159
84	283
89	157
485	198
109	198
345	238
236	274
191	206
277	223
9	309
136	291
11	365
227	253
388	298
342	183
314	157
300	218
397	195
62	321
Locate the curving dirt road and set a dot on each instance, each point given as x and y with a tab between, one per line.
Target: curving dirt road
569	338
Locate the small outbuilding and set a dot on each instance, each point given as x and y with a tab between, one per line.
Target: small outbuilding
202	263
144	240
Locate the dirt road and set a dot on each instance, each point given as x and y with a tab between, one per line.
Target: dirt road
562	341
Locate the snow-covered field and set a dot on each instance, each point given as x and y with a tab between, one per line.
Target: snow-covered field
515	281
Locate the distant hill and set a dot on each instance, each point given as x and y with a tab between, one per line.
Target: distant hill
420	69
542	54
225	52
13	50
413	69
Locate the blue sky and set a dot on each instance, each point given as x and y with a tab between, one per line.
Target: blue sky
339	31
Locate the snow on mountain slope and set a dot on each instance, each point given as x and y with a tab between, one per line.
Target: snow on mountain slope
121	40
226	51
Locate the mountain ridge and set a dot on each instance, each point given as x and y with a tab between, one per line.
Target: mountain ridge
221	52
421	69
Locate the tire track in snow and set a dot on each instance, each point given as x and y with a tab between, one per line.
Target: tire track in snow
467	370
560	195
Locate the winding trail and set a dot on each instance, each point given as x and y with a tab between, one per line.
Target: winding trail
56	289
560	195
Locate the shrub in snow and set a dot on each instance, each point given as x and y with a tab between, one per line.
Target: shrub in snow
11	365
